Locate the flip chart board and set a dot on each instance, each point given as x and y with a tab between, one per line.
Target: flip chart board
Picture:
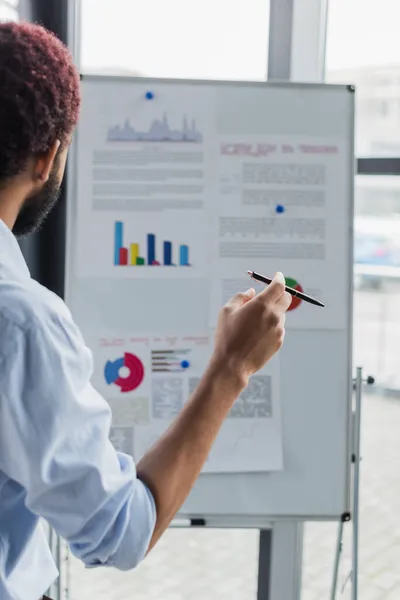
176	189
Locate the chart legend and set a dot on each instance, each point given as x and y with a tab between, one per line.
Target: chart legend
134	255
159	131
296	286
169	361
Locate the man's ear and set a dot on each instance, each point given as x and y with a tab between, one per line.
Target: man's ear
44	163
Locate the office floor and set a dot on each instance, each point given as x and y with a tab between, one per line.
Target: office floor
222	565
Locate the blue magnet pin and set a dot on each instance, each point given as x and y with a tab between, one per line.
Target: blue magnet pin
149	96
185	364
280	209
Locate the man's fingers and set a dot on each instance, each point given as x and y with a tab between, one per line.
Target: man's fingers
240	299
285	301
275	290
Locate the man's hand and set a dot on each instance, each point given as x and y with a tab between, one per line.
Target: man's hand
251	328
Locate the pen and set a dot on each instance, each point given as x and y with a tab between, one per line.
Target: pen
291	291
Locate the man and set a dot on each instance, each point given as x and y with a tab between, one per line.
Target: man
56	461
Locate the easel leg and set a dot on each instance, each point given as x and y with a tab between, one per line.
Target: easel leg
356	458
280	562
338	553
356	492
55	547
264	564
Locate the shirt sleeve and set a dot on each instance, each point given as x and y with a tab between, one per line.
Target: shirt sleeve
54	442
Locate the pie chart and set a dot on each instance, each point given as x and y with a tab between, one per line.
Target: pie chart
135	372
296	286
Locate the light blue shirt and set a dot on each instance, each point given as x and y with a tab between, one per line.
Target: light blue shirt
56	460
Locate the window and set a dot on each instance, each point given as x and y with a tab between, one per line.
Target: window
363	48
8	10
182	38
199	39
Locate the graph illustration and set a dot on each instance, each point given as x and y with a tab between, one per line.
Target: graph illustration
135	372
169	361
295	285
132	255
159	131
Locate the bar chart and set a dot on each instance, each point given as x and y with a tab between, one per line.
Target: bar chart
137	255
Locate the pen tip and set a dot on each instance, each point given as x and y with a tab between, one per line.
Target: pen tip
249	272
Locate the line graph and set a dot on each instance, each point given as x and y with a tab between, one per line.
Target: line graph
158	131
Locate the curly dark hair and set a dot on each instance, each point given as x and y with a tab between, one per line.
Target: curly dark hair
39	95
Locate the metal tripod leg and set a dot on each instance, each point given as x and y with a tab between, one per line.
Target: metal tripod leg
356	492
338	553
356	458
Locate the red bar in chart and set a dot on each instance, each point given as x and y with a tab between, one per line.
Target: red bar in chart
123	256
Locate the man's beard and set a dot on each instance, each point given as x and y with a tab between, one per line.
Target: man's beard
36	208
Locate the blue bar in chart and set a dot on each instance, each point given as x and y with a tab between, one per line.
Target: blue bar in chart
118	241
184	256
167	254
151	249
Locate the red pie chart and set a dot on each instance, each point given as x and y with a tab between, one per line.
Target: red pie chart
296	286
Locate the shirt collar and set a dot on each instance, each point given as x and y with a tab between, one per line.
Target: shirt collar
10	252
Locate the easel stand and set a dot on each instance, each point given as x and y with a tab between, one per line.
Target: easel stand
356	459
280	554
